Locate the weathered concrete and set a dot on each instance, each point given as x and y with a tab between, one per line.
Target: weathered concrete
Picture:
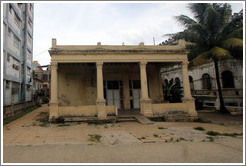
182	152
29	141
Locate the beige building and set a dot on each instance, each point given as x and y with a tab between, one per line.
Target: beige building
98	81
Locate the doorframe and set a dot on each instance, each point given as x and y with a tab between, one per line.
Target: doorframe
105	88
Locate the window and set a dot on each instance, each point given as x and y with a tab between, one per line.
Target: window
19	5
165	82
17	20
29	23
29	38
10	8
206	81
16	42
191	83
9	32
28	71
8	57
177	81
30	7
227	79
7	84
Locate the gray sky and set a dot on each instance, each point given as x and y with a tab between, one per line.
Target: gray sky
110	23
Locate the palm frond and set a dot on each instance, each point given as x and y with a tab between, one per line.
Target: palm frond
238	33
198	9
200	59
232	43
218	53
185	20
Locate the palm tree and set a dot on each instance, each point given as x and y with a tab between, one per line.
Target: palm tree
212	34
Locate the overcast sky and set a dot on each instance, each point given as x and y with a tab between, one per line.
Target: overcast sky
108	23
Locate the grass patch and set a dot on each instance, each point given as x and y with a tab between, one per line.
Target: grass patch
199	128
156	135
11	119
202	121
213	133
232	134
94	137
141	138
161	128
63	124
43	119
211	139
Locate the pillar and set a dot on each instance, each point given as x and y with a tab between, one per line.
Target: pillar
188	99
54	93
126	90
101	103
145	101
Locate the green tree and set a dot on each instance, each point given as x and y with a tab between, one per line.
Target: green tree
213	34
172	92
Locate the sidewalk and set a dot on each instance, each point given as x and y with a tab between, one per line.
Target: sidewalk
121	142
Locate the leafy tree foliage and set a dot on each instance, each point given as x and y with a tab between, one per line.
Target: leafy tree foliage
213	34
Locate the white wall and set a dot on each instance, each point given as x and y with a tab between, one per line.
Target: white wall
11	19
10	70
11	45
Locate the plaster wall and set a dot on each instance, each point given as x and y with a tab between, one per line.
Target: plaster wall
7	97
10	69
76	86
13	23
15	49
159	109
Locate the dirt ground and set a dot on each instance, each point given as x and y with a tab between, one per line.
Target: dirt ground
32	131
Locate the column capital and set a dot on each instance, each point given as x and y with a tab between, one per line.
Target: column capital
54	65
143	63
99	64
185	63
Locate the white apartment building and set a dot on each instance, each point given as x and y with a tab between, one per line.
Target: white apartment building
17	52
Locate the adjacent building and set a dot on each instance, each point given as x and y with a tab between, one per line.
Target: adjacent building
204	87
17	52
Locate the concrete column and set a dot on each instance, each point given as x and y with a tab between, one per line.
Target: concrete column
126	90
101	103
188	99
144	83
54	93
145	101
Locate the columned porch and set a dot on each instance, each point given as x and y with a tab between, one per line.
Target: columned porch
88	84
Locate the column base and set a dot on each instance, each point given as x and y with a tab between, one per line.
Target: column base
190	101
101	109
53	112
146	108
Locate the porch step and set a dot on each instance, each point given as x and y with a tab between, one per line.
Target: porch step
125	119
143	119
86	119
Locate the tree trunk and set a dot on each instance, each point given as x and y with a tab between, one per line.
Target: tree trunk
222	104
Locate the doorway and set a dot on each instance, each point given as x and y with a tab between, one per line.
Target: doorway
113	92
135	94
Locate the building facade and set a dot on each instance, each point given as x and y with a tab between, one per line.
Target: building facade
204	87
43	73
95	81
17	52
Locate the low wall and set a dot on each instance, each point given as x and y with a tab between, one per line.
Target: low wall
11	110
90	110
172	112
160	109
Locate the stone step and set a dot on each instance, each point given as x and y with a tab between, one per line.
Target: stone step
126	119
143	120
86	119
